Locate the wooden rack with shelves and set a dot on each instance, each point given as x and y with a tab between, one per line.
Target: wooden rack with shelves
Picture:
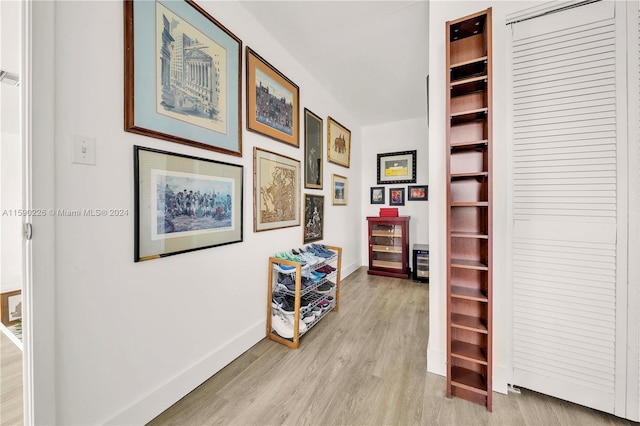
306	297
469	203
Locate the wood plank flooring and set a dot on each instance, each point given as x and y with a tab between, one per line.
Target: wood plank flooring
10	383
363	365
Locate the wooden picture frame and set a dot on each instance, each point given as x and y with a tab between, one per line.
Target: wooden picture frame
313	229
397	167
11	307
418	193
339	190
273	106
377	195
184	203
338	143
276	191
396	196
313	132
182	76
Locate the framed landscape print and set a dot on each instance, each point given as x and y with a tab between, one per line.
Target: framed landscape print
377	195
313	218
338	143
276	189
339	190
182	76
272	101
184	203
312	150
11	307
397	167
396	196
418	193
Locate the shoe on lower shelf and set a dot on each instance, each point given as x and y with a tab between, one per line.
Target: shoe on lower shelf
281	325
323	288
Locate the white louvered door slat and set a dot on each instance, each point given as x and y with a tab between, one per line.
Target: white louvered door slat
565	197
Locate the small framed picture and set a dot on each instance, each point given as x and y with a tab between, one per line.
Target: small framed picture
11	307
377	195
340	190
313	218
396	196
418	193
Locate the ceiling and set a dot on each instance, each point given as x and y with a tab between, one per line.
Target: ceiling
372	56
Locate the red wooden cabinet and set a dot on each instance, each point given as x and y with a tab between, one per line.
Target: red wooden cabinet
389	246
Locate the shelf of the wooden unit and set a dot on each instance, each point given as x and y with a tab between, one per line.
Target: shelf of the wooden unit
467	293
386	264
478	235
470	175
469	204
386	234
468	80
469	352
469	380
481	59
386	249
468	264
468	322
468	115
469	144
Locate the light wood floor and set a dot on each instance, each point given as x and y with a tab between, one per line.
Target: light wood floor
10	382
364	365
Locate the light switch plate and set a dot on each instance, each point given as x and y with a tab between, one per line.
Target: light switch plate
84	150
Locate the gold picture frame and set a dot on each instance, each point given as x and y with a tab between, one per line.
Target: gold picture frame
338	143
273	106
339	190
276	191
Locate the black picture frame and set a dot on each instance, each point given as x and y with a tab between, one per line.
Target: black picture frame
313	229
313	134
418	193
396	167
396	196
377	195
184	203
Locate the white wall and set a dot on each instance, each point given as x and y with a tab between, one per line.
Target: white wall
439	13
406	135
132	338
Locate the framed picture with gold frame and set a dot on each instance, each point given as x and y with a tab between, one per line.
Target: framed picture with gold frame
273	107
338	143
339	190
276	191
197	103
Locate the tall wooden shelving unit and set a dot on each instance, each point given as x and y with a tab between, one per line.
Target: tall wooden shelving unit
469	203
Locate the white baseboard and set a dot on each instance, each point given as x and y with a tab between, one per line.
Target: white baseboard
346	271
158	400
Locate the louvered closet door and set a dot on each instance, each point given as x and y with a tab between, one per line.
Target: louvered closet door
566	202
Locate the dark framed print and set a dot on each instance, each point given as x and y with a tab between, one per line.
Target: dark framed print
418	193
11	307
184	203
377	195
397	167
396	196
312	150
313	218
272	101
276	191
340	190
338	143
182	76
